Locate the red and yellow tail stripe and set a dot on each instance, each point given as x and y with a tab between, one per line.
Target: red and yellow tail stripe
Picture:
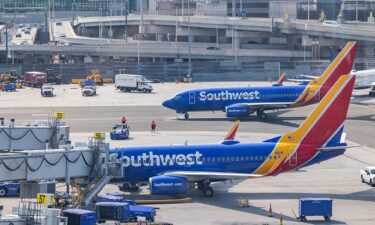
298	147
281	78
232	133
318	87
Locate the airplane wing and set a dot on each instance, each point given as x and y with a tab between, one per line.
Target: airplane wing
308	76
232	133
202	175
299	80
268	105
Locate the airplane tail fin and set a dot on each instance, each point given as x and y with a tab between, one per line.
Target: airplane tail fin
319	87
232	132
322	129
281	78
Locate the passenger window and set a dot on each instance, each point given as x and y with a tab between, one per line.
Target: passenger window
247	158
256	158
237	158
228	159
251	158
223	159
232	159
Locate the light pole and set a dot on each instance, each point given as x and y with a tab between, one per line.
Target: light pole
308	10
126	21
100	26
189	70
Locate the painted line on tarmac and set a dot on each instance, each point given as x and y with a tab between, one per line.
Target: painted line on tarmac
364	106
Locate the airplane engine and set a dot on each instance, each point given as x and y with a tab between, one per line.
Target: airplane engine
238	111
167	185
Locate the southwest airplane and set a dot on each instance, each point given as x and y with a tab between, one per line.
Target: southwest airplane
243	101
175	169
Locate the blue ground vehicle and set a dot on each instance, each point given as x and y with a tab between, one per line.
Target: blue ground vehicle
120	132
9	189
123	212
9	87
315	207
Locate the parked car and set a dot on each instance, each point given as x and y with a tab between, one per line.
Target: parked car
368	175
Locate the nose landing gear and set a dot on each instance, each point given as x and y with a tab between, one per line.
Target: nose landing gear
186	116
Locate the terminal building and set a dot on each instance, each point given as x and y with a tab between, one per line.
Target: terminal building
232	39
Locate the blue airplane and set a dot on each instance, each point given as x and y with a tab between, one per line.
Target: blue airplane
177	169
243	101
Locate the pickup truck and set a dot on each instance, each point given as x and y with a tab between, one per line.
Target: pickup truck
46	91
89	91
368	175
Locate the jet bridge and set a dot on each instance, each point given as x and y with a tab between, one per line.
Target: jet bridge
92	163
36	135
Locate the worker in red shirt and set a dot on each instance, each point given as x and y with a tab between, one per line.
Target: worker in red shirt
153	126
123	120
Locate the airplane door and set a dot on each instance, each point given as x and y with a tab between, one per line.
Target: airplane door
191	97
294	157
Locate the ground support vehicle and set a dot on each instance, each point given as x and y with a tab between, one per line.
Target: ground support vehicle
46	91
123	212
315	207
35	79
372	89
89	91
9	87
120	132
80	216
9	189
129	82
368	175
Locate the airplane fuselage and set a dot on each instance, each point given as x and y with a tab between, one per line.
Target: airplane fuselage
217	99
141	163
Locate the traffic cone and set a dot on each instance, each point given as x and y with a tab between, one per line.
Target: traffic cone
270	211
281	218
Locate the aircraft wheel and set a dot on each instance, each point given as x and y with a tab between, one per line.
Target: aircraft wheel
208	192
186	116
263	116
363	181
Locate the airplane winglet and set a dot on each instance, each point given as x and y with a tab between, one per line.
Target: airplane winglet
232	132
281	78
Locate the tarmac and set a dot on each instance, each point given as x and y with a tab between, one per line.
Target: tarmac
338	178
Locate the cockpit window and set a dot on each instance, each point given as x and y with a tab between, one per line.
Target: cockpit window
177	97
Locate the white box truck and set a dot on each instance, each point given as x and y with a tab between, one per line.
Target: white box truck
130	82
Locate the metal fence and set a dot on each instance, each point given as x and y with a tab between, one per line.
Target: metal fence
170	71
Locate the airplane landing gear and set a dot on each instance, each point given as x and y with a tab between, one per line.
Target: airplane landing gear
186	116
207	191
261	114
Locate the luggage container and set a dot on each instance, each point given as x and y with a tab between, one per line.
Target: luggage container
117	211
80	216
147	212
315	207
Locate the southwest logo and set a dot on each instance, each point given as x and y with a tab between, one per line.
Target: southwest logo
226	95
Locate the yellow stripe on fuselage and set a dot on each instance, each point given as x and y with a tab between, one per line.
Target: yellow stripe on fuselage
288	143
316	84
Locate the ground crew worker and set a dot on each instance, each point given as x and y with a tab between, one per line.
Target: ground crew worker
123	120
153	126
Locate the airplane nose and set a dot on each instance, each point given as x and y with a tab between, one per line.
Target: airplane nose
167	104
